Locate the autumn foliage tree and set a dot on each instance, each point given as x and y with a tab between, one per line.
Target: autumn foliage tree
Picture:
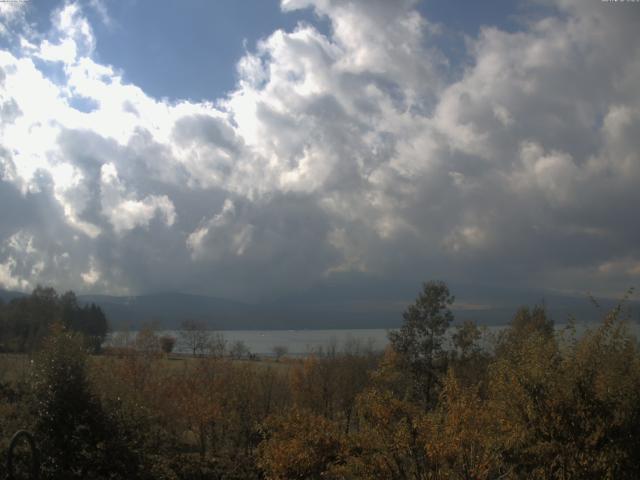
299	444
570	409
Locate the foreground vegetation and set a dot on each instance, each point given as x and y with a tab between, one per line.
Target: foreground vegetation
538	403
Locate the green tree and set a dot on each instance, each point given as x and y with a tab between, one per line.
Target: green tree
466	338
95	327
419	340
76	438
27	320
32	316
89	320
469	360
69	309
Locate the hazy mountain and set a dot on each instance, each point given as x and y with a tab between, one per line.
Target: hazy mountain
488	306
8	295
169	309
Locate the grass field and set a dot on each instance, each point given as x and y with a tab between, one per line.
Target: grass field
15	367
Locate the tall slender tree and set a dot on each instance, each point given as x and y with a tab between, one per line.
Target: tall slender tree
419	340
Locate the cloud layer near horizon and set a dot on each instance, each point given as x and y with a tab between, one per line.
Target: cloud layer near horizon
354	152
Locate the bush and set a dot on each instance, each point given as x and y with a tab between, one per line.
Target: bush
167	343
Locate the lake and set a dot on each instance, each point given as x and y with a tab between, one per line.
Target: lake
303	342
298	342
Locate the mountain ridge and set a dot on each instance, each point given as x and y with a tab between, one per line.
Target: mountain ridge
167	310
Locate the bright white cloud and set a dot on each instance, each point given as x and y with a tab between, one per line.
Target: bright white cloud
11	13
91	276
123	210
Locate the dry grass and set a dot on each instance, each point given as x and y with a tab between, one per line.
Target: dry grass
14	367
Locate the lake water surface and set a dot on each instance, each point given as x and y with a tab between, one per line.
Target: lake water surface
303	342
297	342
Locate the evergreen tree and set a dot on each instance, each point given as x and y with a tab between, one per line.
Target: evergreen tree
75	436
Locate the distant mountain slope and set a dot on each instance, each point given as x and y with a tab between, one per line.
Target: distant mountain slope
170	309
8	295
488	306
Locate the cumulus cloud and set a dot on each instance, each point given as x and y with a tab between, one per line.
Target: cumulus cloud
11	14
124	211
352	151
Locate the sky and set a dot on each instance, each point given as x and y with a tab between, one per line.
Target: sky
259	149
